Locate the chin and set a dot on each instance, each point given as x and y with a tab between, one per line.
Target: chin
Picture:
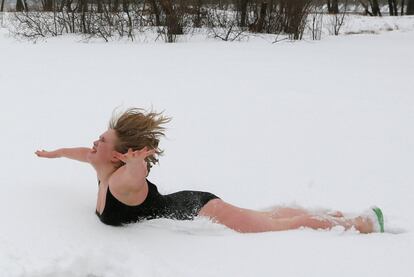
95	160
92	159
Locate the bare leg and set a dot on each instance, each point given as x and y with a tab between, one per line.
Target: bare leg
284	212
250	221
287	212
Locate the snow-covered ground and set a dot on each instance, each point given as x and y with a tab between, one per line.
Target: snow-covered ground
316	124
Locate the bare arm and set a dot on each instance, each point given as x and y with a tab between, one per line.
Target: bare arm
79	153
132	175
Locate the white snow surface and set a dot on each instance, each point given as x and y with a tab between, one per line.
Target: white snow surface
324	124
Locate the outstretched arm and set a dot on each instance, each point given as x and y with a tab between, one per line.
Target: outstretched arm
79	153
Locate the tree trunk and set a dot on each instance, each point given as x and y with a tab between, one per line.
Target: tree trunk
257	27
335	8
48	6
173	24
366	7
2	6
115	7
19	6
243	12
375	8
60	6
83	6
68	5
329	6
100	8
125	6
410	7
402	6
391	7
395	7
156	12
197	20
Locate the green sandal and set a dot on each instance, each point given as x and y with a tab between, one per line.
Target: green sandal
379	218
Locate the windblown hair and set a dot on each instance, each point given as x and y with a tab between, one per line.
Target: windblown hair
137	128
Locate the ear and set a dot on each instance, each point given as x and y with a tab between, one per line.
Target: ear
116	161
115	158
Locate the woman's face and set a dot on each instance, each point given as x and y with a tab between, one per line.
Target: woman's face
103	149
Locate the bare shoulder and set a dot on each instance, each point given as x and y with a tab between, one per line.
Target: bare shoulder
122	184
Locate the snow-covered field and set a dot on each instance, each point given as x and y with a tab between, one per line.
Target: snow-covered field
316	124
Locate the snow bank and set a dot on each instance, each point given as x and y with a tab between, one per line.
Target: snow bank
321	124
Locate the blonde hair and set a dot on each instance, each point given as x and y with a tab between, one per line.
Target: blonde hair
137	128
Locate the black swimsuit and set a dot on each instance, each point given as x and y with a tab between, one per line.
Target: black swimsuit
182	205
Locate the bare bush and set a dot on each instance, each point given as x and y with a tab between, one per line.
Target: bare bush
260	13
294	17
315	22
223	24
337	20
35	25
371	7
227	20
107	25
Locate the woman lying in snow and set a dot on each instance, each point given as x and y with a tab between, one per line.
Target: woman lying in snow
123	157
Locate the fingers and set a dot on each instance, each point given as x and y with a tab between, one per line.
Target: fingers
124	157
152	152
46	154
142	152
40	153
147	152
131	154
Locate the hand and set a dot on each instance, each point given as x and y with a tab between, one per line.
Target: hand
47	154
134	157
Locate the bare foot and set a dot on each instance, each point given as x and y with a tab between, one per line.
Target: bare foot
364	225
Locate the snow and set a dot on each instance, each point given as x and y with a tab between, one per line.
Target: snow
321	124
